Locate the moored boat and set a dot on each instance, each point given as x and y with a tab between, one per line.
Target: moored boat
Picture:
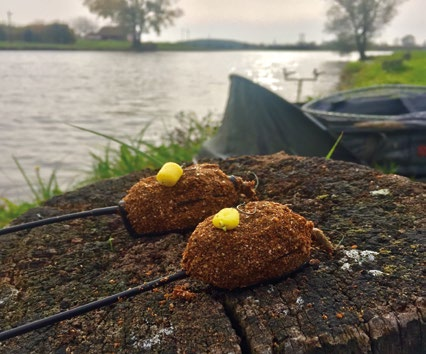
382	126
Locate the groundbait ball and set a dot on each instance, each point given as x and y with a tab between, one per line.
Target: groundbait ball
202	190
169	174
270	241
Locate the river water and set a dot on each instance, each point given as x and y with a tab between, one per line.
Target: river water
118	93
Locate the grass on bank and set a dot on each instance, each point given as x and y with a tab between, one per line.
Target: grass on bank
120	157
381	70
41	190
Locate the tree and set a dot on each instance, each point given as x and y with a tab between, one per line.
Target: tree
50	33
83	25
136	16
408	41
358	21
58	33
3	32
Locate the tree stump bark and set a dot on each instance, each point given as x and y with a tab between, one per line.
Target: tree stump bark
367	298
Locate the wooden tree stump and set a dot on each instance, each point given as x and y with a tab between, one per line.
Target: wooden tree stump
367	298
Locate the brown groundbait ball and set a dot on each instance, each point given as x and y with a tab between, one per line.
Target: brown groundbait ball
267	244
202	190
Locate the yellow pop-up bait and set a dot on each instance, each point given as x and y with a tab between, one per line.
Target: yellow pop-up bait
226	219
169	174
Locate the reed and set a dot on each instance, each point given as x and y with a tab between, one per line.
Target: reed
333	148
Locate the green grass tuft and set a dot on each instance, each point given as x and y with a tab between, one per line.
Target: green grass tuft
10	210
40	189
179	145
333	148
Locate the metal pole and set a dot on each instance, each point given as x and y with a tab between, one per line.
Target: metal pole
288	77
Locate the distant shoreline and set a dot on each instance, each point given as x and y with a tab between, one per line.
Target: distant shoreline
193	45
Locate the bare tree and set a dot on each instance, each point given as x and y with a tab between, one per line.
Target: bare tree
358	21
136	16
83	25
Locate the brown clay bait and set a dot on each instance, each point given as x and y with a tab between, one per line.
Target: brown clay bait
202	190
269	242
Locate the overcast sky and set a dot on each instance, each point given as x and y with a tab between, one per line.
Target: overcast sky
254	21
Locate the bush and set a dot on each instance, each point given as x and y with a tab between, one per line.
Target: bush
39	33
393	65
58	33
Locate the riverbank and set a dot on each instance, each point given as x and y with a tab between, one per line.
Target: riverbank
407	68
355	74
190	45
105	45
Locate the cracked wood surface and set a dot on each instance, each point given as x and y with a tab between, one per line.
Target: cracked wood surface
368	298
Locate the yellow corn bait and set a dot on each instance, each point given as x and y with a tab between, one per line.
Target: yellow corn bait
226	219
169	174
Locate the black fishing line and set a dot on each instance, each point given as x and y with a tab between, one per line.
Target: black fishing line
80	310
